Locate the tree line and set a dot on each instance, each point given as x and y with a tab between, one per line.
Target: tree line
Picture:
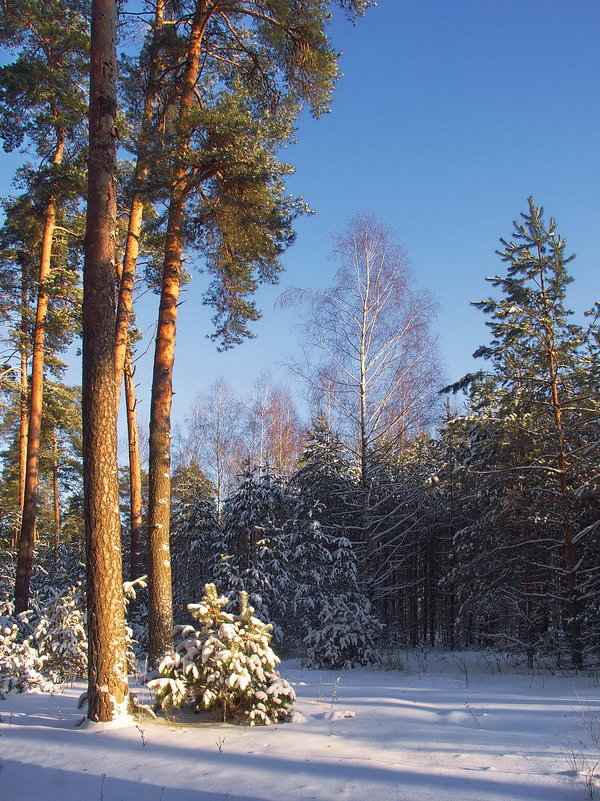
480	531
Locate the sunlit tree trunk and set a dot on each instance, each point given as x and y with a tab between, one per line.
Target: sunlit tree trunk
107	671
136	209
136	567
160	603
23	406
55	489
28	518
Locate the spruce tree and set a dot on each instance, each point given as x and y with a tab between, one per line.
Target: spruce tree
531	432
255	536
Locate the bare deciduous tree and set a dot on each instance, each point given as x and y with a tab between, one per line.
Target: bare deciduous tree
273	426
215	437
370	357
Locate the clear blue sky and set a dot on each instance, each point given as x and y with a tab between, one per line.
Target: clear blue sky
449	114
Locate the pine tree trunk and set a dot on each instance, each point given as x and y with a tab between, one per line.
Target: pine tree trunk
55	489
28	519
160	604
24	397
573	604
134	226
136	568
23	409
160	601
107	671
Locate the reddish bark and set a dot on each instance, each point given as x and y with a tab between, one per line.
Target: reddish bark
107	672
160	604
28	519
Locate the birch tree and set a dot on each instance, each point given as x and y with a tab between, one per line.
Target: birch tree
371	358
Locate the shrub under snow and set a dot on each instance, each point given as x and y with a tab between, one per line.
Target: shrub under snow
226	665
61	635
345	636
20	662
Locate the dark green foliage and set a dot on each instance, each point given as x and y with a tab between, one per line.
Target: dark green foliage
528	558
194	536
254	536
42	90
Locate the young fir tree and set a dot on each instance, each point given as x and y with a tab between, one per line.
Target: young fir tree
227	665
531	430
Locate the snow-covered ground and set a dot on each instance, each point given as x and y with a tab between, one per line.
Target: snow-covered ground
446	728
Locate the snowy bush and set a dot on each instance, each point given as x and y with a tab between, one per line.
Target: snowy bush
346	635
61	632
61	635
20	662
227	665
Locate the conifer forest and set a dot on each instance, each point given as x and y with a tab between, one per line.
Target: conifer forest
390	507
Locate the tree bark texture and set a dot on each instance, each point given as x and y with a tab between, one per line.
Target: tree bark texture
55	490
24	398
107	670
160	604
23	413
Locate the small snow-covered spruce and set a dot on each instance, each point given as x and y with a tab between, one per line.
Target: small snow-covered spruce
20	662
227	665
346	635
61	632
61	635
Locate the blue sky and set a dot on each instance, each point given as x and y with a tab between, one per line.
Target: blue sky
449	114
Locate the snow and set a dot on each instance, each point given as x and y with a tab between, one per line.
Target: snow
451	728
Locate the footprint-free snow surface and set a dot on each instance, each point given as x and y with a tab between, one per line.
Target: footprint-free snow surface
446	728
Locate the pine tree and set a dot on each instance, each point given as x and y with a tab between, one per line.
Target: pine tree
531	431
41	103
107	663
225	189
